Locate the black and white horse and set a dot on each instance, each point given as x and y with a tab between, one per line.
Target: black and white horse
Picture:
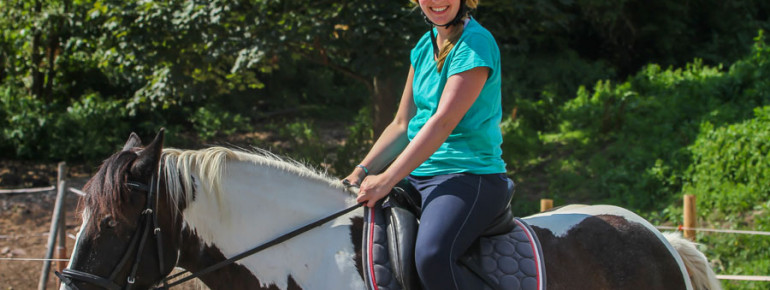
149	209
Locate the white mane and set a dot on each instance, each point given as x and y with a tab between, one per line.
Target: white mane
209	164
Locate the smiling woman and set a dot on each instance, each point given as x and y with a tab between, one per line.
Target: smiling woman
445	139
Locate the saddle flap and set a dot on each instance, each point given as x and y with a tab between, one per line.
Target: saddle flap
402	235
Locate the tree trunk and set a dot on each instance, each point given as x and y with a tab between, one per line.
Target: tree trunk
385	103
37	76
52	51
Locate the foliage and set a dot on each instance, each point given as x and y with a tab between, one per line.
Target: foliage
629	143
304	142
552	47
210	122
730	177
730	174
87	129
357	144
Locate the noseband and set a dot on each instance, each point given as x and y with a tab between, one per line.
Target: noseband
148	220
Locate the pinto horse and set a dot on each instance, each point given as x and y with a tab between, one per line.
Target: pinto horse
148	210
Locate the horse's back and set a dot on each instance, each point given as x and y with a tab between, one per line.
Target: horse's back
605	247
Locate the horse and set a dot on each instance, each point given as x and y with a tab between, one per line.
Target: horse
240	219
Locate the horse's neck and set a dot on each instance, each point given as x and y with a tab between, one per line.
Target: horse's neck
260	203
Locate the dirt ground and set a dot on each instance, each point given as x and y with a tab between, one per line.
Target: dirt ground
25	220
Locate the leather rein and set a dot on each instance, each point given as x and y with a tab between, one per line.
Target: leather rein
149	219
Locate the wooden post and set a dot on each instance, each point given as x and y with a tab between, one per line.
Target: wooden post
546	204
52	234
61	249
690	216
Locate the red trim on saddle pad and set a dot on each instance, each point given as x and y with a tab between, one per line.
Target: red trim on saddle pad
536	254
369	247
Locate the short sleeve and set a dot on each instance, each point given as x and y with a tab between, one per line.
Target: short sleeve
471	51
417	54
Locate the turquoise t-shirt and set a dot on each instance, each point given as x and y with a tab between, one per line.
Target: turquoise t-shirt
474	145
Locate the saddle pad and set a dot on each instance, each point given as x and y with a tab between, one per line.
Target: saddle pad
513	260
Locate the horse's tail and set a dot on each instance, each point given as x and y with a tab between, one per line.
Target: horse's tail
701	274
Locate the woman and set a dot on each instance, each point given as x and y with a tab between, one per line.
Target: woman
445	139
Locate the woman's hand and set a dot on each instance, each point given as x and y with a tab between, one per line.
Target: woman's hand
374	188
355	177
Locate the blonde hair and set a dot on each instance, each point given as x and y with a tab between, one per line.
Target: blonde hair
454	35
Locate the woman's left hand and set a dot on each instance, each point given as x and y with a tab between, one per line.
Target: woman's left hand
373	188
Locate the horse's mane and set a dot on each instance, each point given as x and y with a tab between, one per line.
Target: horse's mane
179	166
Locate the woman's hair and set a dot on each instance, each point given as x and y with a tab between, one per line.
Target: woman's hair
457	31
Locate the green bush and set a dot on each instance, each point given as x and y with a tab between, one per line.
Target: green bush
22	123
357	144
211	121
730	173
730	177
90	129
628	143
86	129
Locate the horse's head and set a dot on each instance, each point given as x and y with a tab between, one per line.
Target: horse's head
130	233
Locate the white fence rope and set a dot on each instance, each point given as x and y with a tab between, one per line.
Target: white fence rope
33	259
27	190
71	236
681	228
76	191
744	278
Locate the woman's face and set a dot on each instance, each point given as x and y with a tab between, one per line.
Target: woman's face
440	11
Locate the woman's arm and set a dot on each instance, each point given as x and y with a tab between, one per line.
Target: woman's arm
393	139
460	92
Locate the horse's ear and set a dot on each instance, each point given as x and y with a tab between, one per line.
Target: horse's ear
133	141
149	157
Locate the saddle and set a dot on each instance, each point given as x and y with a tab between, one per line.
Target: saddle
506	256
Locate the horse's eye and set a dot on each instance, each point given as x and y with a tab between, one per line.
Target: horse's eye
109	221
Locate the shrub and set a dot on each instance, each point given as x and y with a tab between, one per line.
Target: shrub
629	143
87	129
211	121
358	142
730	174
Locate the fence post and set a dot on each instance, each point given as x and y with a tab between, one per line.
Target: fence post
546	204
52	234
61	249
690	216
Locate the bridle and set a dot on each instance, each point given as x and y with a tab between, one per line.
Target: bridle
148	220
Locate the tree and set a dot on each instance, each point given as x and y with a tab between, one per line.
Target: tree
366	41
